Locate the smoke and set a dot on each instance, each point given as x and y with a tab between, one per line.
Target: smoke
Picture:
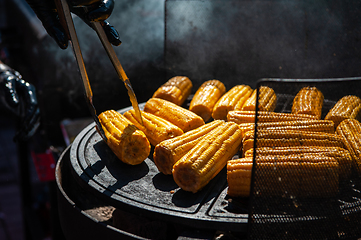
233	41
243	41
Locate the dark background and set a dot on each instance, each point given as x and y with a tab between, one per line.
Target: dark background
237	42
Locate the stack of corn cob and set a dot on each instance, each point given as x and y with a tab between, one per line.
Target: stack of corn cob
308	149
194	149
198	155
161	120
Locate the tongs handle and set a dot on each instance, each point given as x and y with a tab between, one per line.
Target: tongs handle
110	51
68	25
118	67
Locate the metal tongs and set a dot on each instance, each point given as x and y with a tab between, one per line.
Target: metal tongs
67	22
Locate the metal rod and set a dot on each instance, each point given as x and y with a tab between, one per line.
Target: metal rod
65	16
76	49
118	67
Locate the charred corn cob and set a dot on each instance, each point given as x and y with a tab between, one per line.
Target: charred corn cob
155	128
176	90
179	116
307	175
267	100
290	138
127	142
236	95
249	117
309	100
350	132
308	125
206	97
168	152
207	158
342	155
346	107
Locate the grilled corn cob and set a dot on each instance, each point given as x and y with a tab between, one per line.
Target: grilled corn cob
206	97
342	155
236	95
307	175
239	172
308	125
309	100
350	132
267	100
155	128
249	117
347	107
290	138
179	116
168	152
176	90
207	158
127	142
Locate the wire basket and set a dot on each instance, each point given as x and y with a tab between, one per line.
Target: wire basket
299	198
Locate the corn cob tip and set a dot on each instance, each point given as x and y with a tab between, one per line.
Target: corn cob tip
309	100
347	107
126	141
350	132
186	178
206	97
163	159
239	173
175	90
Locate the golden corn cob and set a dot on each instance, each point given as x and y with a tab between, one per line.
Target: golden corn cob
308	125
207	158
267	100
249	117
206	97
290	138
176	90
347	107
127	142
155	128
350	132
179	116
236	95
168	152
309	100
342	155
239	172
307	175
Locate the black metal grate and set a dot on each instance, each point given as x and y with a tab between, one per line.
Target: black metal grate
299	200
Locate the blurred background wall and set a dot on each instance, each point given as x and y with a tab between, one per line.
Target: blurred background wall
244	41
233	41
